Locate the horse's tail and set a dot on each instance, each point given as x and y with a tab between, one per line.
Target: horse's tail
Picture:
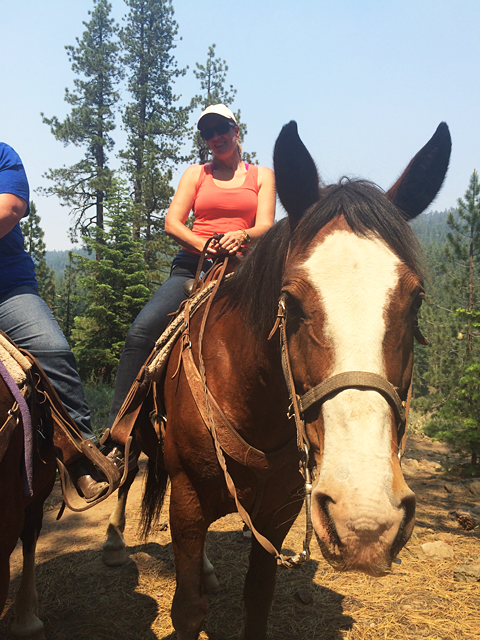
153	496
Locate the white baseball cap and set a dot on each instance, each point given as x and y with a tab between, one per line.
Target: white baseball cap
219	110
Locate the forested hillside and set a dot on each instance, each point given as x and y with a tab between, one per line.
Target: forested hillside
447	370
118	216
58	260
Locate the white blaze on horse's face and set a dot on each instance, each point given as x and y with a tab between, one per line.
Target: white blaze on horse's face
356	490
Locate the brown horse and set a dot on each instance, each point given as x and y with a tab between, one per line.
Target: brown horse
34	438
22	514
339	280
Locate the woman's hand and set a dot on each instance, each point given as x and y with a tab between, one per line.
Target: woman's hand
229	243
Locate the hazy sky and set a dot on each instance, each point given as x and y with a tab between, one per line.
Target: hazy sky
368	81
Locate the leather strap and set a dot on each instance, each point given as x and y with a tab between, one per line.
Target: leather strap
230	440
212	426
68	441
353	379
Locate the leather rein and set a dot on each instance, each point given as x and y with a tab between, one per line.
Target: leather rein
224	433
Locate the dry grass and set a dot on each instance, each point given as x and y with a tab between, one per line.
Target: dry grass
82	599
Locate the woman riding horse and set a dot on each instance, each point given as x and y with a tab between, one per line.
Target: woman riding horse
28	321
228	197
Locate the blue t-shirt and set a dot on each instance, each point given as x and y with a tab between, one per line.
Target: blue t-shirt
16	265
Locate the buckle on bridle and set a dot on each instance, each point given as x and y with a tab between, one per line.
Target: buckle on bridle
290	411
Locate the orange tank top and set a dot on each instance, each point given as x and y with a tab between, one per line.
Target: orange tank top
219	209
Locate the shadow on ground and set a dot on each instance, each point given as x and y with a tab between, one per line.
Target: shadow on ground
82	599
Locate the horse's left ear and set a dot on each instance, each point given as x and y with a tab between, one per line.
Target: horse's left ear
296	175
421	181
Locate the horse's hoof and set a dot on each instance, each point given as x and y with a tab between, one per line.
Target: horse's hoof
114	556
33	631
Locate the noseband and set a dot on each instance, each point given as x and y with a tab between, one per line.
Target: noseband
339	382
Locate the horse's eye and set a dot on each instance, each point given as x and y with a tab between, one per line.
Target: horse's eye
294	305
417	303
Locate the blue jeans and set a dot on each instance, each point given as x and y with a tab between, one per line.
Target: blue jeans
150	323
28	321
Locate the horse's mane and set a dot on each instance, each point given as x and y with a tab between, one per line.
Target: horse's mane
255	288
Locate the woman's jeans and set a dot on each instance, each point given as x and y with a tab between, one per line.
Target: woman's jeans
28	321
150	323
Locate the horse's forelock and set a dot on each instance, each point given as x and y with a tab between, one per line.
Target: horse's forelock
255	288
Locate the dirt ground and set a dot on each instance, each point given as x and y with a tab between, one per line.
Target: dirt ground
82	599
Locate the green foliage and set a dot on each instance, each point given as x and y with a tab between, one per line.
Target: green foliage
439	365
34	245
83	186
213	76
115	289
458	420
99	398
463	253
447	374
155	125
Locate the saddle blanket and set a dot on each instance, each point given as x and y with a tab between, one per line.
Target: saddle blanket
16	364
164	345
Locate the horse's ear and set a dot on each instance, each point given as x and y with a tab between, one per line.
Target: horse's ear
296	175
421	181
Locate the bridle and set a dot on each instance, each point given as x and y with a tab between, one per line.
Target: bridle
318	394
299	405
338	382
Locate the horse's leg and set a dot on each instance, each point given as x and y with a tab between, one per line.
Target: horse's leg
26	623
260	579
188	528
209	577
114	550
258	592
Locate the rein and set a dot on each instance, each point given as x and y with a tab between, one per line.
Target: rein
209	410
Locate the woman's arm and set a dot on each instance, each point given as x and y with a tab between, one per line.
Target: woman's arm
265	216
12	210
180	208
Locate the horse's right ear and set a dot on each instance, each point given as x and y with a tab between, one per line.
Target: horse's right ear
421	181
296	175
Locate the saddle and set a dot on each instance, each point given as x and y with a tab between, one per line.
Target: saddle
225	437
50	420
152	374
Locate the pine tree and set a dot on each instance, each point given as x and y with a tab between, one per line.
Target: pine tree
115	289
458	420
34	245
439	365
70	301
213	76
83	186
155	125
463	252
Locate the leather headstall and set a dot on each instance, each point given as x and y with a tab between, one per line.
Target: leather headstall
340	382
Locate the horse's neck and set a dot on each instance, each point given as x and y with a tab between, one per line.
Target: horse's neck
245	375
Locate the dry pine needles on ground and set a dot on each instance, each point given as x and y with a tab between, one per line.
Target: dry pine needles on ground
82	599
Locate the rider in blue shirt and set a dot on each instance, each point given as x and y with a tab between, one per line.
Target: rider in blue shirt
27	319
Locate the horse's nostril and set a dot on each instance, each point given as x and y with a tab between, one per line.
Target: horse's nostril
324	501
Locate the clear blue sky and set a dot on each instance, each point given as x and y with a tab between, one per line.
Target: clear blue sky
368	81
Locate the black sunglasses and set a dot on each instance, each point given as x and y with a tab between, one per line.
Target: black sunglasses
221	128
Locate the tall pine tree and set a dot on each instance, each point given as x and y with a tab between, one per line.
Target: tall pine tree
115	289
213	90
463	253
84	185
155	125
35	246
